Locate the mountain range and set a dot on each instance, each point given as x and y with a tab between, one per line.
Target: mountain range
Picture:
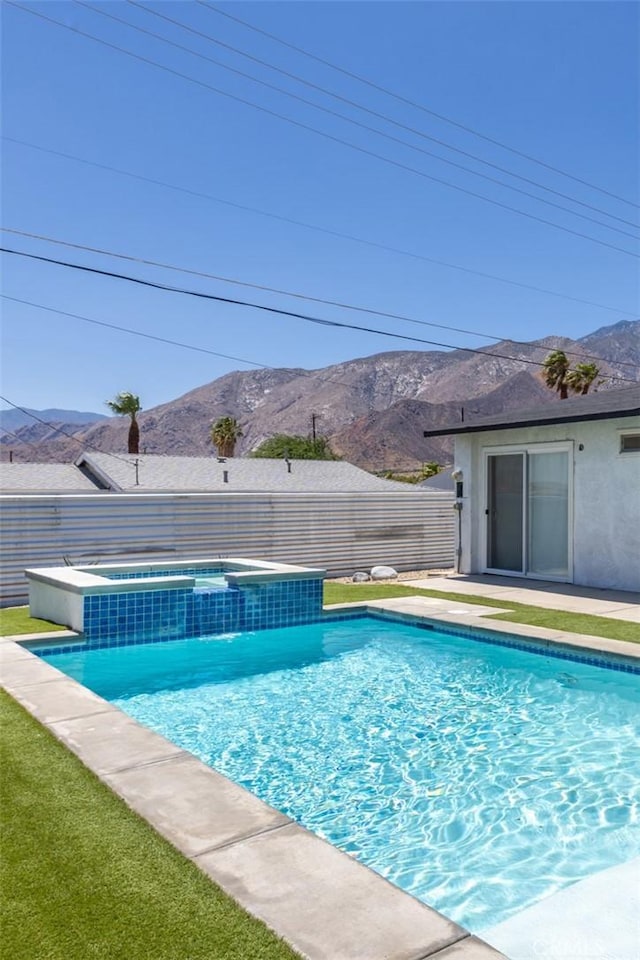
11	420
373	409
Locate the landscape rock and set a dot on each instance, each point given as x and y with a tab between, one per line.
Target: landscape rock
360	577
383	573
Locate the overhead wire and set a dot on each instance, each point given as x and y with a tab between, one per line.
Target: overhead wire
297	123
408	468
70	436
10	433
295	371
412	103
359	106
315	227
119	328
363	126
288	293
199	294
298	372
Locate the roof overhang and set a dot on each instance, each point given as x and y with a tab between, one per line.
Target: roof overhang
530	421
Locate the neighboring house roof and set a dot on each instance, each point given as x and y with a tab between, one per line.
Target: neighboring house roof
440	481
243	475
608	405
44	478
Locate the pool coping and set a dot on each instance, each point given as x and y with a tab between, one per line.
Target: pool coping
325	904
94	580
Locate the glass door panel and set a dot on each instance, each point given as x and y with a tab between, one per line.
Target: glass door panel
548	514
505	512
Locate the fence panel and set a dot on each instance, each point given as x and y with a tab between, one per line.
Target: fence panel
341	532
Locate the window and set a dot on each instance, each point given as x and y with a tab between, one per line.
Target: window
630	443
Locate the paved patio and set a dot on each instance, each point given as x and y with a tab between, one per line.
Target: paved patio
619	604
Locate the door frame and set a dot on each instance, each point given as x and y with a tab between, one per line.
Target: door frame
526	449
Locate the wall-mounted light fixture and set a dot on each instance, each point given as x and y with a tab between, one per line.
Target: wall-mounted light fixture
458	476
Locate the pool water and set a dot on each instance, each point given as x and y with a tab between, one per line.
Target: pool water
480	778
205	577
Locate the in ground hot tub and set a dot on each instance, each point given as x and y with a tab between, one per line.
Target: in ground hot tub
111	603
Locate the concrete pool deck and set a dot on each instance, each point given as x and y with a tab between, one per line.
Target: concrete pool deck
619	604
325	904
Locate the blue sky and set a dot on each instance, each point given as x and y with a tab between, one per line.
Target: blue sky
558	81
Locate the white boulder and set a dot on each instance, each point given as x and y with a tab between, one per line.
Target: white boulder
383	573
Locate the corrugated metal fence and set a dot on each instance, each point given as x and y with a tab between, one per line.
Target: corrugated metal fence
341	532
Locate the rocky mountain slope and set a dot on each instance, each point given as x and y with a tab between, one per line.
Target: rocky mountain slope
13	420
374	409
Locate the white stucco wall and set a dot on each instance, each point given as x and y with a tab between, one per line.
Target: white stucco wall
51	602
606	498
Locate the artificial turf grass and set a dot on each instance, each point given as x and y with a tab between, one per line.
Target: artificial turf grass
16	620
85	878
518	612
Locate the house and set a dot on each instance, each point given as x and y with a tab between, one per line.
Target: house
36	478
154	473
147	473
552	493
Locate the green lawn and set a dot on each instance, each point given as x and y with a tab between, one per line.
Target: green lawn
84	878
16	620
519	612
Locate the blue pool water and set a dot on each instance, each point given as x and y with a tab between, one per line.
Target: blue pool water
204	576
479	778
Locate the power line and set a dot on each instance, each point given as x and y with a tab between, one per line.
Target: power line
276	310
359	106
173	343
321	133
412	103
70	436
10	433
176	343
310	226
358	123
288	293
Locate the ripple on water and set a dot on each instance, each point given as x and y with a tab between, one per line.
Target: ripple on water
478	778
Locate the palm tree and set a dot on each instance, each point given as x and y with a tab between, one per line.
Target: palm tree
582	376
127	405
225	433
556	368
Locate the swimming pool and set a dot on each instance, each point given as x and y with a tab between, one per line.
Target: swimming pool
478	777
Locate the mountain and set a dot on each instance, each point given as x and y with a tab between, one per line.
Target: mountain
620	343
14	420
393	437
374	409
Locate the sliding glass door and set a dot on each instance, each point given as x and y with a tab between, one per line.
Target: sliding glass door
505	533
548	514
528	512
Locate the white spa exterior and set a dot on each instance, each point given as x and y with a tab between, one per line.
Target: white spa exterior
603	486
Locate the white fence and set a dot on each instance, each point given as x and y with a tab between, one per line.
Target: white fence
341	532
